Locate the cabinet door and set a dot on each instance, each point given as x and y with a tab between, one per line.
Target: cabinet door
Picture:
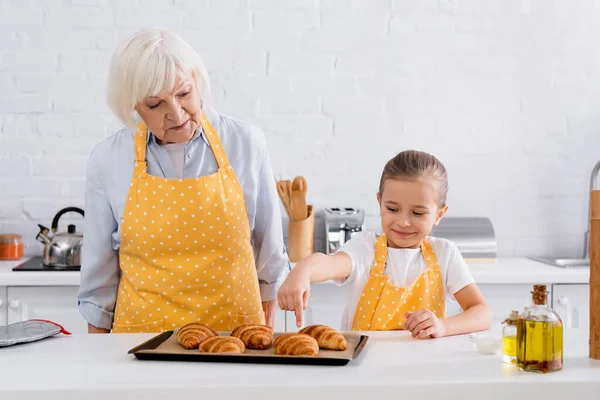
279	320
54	303
3	307
572	303
502	299
325	306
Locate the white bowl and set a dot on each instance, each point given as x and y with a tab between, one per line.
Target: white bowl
485	342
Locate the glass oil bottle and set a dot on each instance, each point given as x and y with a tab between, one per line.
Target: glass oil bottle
539	336
509	338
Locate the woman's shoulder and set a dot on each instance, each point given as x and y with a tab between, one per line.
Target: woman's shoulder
109	154
242	132
122	140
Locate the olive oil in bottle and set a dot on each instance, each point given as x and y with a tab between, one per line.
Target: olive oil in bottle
539	336
509	338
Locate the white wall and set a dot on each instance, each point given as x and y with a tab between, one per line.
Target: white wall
504	92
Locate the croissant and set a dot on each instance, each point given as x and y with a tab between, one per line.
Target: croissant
328	338
222	344
259	337
296	344
191	335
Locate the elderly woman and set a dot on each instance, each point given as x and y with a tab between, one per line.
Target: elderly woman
182	215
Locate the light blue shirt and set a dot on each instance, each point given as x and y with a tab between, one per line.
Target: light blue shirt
109	174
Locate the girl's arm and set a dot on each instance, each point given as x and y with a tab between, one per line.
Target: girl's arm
318	267
477	315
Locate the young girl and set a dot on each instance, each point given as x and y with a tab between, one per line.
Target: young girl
403	278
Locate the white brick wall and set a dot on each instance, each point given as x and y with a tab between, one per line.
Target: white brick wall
504	92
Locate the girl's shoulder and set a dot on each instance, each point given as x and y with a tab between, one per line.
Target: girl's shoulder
441	246
364	237
361	246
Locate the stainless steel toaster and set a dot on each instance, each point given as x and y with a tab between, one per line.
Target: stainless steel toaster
341	223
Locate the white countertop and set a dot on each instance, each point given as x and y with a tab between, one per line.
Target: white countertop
523	270
8	277
98	367
510	270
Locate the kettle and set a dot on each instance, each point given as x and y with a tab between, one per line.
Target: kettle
63	249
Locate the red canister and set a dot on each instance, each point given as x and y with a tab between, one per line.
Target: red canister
11	247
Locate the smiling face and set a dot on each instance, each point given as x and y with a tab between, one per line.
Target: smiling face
173	116
409	210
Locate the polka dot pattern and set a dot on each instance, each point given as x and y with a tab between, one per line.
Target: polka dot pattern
185	250
382	306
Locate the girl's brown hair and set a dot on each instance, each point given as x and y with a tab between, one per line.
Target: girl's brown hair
414	164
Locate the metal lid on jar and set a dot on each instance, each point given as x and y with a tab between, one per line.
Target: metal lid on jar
10	238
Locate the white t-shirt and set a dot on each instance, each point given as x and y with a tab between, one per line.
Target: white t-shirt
177	154
403	266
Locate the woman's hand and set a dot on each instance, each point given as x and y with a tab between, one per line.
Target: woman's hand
93	329
269	309
294	292
423	324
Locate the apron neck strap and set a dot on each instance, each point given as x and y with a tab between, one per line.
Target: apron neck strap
141	139
381	255
214	141
139	143
428	255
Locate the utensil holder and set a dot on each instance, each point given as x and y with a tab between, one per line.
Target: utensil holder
594	341
301	237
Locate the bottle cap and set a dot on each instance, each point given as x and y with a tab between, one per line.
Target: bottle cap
512	318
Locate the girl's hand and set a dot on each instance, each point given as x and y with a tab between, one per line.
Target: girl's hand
423	324
294	293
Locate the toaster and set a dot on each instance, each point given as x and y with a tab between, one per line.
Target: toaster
341	223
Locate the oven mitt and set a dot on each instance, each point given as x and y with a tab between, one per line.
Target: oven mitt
29	331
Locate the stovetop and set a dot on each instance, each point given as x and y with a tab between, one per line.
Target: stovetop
36	264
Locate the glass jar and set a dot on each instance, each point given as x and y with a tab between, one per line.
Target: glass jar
539	336
11	247
509	338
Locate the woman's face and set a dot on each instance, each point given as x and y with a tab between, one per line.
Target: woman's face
173	116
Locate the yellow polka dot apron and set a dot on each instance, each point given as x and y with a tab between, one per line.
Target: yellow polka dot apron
383	306
185	250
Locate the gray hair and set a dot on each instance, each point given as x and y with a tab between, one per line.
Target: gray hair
147	63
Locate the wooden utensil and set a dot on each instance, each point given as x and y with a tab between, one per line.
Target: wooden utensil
594	341
284	188
299	209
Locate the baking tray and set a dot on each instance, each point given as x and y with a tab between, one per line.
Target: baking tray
164	347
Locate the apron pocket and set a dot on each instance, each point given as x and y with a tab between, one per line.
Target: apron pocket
236	320
149	327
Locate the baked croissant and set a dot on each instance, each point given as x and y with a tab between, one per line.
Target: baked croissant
191	335
259	337
328	338
296	344
222	344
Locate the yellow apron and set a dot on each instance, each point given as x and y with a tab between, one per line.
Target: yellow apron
382	306
185	250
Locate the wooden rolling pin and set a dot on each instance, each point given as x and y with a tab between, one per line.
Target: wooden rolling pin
595	275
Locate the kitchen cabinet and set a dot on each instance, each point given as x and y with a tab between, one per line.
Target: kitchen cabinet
280	317
326	303
54	303
502	299
325	306
3	319
58	304
572	303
